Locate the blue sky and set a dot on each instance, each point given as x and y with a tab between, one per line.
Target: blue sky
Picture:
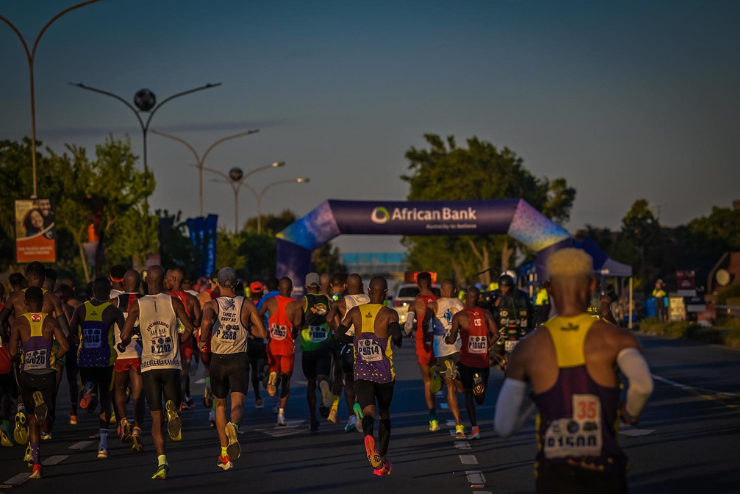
624	99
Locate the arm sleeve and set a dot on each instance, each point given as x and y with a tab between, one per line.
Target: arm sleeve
395	331
635	368
513	408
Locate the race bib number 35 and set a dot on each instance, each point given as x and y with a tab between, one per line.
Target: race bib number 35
369	350
577	436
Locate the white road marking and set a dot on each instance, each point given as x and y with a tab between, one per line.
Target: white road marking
444	406
81	445
18	479
291	428
707	394
462	445
475	477
54	460
468	460
632	432
451	423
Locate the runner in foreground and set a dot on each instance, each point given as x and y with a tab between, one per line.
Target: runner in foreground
36	334
375	377
477	330
285	319
570	364
229	316
160	357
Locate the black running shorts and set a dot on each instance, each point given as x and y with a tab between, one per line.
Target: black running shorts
367	392
467	375
159	382
316	363
348	360
229	372
101	377
46	383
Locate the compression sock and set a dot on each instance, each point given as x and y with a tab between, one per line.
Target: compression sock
161	460
35	453
104	438
335	402
432	414
223	452
368	422
384	436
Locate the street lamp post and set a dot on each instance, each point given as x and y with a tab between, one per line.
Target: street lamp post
31	56
200	161
300	180
236	178
146	102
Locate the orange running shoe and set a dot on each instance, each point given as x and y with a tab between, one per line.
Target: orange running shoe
372	454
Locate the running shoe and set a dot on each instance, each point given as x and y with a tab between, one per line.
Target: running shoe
161	473
102	453
224	463
372	454
386	469
460	431
433	425
20	434
189	404
5	440
212	418
28	456
357	409
40	409
46	436
36	472
233	449
351	424
125	433
333	416
136	445
435	382
450	370
325	394
271	384
281	420
474	433
258	404
86	396
72	419
478	387
174	424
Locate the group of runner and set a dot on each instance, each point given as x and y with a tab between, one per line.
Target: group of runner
128	346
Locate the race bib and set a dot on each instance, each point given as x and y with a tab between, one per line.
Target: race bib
278	332
92	337
478	344
577	436
162	346
227	333
317	334
35	359
369	350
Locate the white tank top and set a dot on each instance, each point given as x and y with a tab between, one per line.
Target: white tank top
133	350
354	301
160	348
229	335
442	324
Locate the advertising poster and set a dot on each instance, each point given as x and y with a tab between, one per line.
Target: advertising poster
35	231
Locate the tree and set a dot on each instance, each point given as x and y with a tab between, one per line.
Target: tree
327	259
480	171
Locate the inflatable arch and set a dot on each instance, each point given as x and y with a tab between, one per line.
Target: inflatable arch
513	217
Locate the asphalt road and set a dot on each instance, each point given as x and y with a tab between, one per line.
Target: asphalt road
688	441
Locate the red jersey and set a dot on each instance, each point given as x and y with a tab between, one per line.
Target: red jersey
475	341
183	296
423	337
281	329
5	364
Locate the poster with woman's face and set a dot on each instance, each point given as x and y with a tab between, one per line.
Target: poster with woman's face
35	230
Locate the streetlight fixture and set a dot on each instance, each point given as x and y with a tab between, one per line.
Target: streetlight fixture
146	102
30	56
200	161
260	195
236	178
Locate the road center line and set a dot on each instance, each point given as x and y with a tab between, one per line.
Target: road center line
468	459
54	460
707	394
81	445
18	479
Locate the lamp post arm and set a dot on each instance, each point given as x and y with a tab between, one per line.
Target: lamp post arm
227	138
112	95
177	95
60	14
183	141
268	187
20	37
218	172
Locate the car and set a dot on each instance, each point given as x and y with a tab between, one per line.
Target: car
405	295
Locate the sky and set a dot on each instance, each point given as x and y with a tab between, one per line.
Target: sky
626	100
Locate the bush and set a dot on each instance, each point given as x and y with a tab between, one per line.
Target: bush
733	291
725	332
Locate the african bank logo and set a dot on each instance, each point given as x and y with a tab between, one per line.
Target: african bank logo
380	215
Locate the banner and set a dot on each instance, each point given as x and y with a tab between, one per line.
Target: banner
35	231
203	237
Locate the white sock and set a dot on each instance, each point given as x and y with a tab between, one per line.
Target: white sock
103	439
281	411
